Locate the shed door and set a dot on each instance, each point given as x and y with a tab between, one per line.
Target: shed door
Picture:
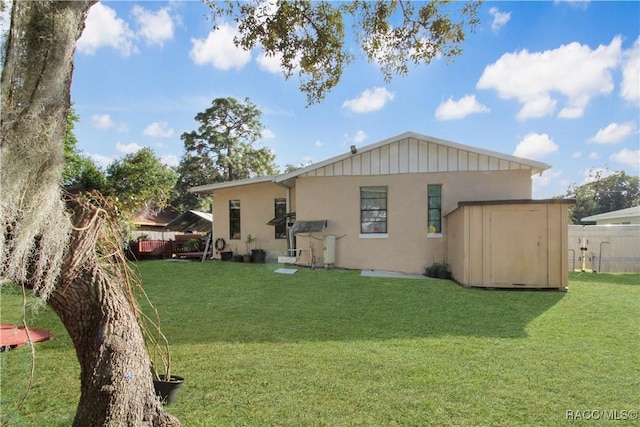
518	247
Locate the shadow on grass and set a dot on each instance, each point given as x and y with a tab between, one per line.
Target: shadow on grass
229	302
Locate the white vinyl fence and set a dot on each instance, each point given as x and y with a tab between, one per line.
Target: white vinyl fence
605	248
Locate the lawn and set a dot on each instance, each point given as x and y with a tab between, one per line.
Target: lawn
332	348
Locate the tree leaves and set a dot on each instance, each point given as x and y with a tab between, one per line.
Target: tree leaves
604	194
309	36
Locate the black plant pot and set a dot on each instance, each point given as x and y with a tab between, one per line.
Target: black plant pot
446	275
237	258
258	255
226	256
167	390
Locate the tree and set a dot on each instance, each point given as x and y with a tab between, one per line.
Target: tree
64	249
224	141
193	170
603	194
308	36
140	181
80	172
289	167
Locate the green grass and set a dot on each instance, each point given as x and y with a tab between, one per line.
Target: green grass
332	348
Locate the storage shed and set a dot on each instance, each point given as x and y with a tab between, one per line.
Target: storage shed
510	243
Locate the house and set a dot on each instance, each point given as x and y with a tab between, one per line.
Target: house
152	223
623	216
387	206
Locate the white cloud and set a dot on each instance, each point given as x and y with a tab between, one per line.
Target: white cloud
574	71
614	133
219	50
359	136
594	155
466	105
128	148
270	63
104	29
535	146
100	160
101	121
170	160
630	86
500	19
155	27
318	143
158	130
370	100
268	134
576	154
627	157
546	178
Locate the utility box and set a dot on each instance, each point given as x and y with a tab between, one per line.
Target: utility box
329	251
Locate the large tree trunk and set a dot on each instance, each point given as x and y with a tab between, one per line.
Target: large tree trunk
95	305
41	246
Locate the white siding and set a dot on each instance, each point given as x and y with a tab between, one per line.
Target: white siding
414	156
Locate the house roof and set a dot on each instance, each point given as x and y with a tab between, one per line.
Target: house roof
191	221
208	188
155	218
622	213
408	152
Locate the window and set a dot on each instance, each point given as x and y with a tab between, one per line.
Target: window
373	210
434	204
280	208
234	219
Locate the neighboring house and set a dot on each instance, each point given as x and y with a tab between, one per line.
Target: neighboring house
386	206
621	217
152	225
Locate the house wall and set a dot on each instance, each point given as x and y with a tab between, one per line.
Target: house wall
610	248
510	245
407	247
256	209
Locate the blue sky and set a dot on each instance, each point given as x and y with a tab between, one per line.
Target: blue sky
557	82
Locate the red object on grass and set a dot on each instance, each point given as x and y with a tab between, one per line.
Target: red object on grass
14	336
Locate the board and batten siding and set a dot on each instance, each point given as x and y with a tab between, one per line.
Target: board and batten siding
414	156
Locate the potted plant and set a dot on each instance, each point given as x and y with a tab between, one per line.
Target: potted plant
236	256
165	384
433	270
247	256
192	245
444	272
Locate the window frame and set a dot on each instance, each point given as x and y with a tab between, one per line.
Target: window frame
381	233
234	206
280	230
434	209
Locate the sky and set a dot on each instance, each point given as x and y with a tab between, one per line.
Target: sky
557	82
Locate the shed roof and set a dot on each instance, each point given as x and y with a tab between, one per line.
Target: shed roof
155	218
621	213
408	152
191	221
